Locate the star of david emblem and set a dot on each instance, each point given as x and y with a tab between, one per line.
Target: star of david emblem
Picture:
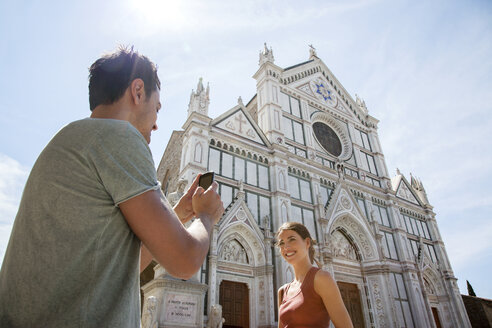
323	91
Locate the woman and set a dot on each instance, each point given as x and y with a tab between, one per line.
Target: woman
312	299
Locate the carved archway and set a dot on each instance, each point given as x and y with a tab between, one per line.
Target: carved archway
343	246
357	233
233	247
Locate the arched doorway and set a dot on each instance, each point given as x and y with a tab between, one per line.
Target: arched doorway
233	296
346	254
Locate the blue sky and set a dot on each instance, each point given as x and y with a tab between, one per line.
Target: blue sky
424	69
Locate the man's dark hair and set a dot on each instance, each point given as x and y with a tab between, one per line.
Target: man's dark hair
112	74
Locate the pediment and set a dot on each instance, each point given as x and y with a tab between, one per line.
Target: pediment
239	215
342	202
320	89
239	122
404	191
315	80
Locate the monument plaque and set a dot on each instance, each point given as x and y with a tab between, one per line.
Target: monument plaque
181	308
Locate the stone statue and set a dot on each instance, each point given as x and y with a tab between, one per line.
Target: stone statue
266	222
149	316
174	197
312	52
215	319
266	55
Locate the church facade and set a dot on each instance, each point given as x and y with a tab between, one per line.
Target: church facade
302	149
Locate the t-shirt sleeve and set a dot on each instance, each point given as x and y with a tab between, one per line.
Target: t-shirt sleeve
123	162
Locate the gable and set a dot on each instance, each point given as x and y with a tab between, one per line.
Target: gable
404	192
238	213
320	91
315	80
240	123
343	202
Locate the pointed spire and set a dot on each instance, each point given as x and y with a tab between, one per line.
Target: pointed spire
266	55
200	99
398	171
418	186
361	103
240	101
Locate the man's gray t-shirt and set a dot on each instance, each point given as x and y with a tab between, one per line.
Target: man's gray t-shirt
72	259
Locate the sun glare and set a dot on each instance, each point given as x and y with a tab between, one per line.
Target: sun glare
158	13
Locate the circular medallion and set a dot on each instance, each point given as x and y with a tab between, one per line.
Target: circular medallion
321	89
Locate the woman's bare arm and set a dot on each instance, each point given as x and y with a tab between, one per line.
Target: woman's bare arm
327	288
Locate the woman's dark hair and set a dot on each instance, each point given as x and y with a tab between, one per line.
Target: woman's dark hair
303	232
112	74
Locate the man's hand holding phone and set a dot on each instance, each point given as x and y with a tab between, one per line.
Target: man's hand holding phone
206	201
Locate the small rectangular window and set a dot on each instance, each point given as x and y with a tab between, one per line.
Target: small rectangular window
251	177
325	194
298	134
239	169
214	160
371	164
414	226
365	140
264	209
362	206
294	187
403	312
296	214
377	214
305	191
263	177
384	216
308	220
391	246
252	202
408	224
287	128
225	195
226	165
426	229
419	227
295	107
284	102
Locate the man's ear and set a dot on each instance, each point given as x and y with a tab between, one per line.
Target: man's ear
137	91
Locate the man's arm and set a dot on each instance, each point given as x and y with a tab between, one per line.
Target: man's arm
184	207
145	257
179	250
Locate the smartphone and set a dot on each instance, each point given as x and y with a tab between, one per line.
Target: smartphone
206	180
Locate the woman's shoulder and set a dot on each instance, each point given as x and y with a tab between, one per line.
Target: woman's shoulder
323	279
283	287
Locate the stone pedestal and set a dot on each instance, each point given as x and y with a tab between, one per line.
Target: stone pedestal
171	302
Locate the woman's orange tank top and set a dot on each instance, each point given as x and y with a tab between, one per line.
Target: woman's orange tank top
305	308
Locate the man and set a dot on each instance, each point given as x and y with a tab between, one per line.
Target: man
92	211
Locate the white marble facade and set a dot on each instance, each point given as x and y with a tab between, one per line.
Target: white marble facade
304	150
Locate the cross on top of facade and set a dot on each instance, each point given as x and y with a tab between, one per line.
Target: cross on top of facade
240	120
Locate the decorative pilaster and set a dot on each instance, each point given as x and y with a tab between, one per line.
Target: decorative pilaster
268	93
195	143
